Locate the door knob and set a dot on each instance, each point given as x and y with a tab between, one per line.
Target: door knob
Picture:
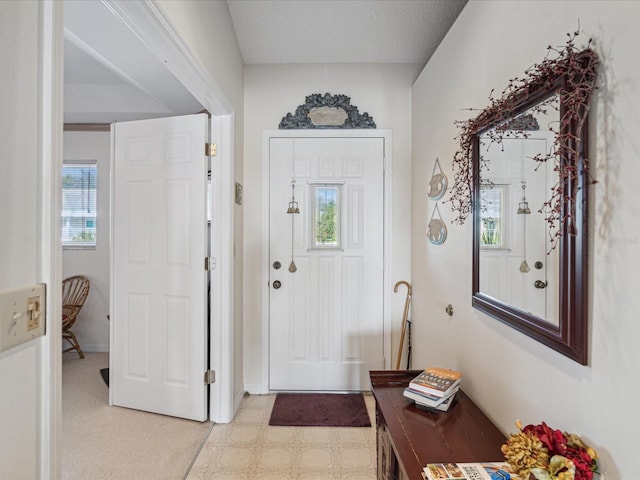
540	284
277	284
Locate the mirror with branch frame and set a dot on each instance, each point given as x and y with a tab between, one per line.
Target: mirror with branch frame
522	174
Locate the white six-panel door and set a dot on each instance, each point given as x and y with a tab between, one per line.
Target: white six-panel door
326	318
158	321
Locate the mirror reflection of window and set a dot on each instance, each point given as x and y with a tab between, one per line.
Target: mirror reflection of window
326	216
492	218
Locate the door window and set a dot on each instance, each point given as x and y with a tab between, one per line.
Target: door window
492	217
325	221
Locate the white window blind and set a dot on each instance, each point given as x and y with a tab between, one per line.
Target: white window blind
79	185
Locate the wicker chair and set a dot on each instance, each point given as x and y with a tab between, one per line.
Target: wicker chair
74	293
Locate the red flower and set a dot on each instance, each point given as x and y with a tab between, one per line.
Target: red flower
567	445
583	462
553	439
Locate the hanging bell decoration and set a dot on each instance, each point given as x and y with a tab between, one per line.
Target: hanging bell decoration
523	209
293	205
523	206
293	209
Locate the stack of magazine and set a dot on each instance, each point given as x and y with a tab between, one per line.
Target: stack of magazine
469	471
434	388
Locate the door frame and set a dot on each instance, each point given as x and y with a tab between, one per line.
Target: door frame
154	29
49	263
267	135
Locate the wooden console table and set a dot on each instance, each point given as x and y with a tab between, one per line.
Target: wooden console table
410	437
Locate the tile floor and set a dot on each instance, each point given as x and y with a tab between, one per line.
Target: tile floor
248	448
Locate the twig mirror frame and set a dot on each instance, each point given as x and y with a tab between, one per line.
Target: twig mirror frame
570	336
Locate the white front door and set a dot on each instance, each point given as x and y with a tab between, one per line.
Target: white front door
159	222
326	317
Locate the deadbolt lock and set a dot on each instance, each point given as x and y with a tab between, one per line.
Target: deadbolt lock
277	265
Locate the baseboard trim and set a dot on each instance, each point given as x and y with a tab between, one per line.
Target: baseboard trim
255	388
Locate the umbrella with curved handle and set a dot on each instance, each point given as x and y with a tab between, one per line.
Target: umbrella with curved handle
404	318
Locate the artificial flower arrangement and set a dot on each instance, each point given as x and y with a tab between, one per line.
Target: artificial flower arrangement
548	454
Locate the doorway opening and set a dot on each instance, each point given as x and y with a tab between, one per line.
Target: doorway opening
78	26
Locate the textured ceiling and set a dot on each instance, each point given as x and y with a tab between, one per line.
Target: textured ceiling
341	31
111	76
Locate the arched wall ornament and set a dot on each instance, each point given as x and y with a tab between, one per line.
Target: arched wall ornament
438	183
523	123
326	111
436	228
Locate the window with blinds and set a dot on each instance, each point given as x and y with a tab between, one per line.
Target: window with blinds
79	188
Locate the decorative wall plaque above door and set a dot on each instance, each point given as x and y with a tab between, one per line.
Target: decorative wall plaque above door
326	111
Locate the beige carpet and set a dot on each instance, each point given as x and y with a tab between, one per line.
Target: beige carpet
110	443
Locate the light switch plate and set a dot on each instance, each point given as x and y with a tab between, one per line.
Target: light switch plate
22	315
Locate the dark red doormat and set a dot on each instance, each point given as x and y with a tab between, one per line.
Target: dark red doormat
319	410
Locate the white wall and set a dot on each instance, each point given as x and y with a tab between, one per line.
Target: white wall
508	374
384	91
28	373
92	325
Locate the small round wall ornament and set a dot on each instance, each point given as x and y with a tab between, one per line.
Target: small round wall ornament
436	228
438	183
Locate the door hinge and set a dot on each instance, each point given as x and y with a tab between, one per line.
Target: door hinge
210	149
209	377
209	263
